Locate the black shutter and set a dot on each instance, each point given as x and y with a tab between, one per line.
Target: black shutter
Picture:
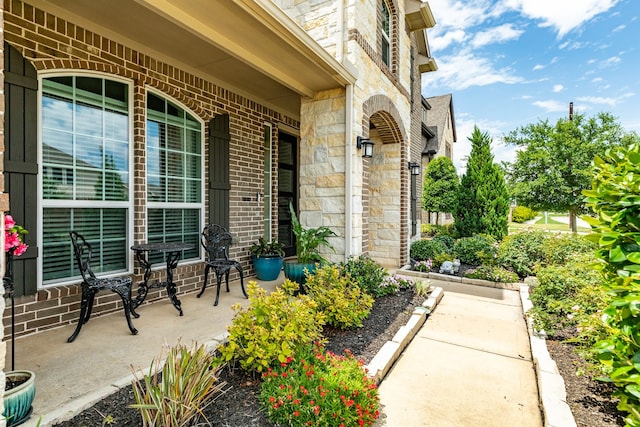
219	183
20	160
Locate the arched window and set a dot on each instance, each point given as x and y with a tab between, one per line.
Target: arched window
175	201
385	49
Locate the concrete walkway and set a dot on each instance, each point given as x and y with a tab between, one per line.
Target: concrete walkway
469	365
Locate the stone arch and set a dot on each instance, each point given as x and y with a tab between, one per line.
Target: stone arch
385	184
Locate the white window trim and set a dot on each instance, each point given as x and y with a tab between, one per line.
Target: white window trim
163	205
41	204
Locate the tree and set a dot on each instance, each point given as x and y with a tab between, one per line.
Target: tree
483	201
440	187
554	163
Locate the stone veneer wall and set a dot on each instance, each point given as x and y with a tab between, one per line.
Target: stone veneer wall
381	96
52	43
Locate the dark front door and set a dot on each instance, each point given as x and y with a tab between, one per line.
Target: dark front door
287	189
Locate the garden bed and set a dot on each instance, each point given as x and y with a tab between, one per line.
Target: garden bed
238	406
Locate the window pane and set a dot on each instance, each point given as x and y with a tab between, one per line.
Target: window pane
105	229
174	174
85	156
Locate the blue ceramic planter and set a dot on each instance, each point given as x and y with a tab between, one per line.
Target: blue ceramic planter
295	271
267	268
18	400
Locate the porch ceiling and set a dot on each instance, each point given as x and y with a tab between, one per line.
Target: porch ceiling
250	46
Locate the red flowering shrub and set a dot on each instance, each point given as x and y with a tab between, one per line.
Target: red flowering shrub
319	388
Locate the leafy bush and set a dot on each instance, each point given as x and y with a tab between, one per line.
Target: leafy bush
475	250
422	250
446	240
366	272
432	230
566	295
319	388
437	261
522	252
521	214
423	288
559	249
614	198
343	302
271	327
189	381
492	273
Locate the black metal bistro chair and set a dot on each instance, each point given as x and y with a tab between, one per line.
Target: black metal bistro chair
91	285
216	241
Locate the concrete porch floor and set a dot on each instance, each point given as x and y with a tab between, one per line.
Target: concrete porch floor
69	375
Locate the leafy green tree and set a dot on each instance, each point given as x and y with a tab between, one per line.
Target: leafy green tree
483	201
440	187
553	164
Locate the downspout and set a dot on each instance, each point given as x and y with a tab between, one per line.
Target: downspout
348	132
348	191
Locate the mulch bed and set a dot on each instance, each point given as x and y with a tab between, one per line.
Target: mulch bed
238	405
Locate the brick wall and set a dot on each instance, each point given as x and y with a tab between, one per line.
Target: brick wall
53	43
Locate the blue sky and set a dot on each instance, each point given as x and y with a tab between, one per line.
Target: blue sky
513	62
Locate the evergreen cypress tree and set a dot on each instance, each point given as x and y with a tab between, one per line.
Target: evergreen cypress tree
483	200
440	187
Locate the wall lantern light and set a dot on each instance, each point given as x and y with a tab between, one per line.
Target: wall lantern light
414	168
366	145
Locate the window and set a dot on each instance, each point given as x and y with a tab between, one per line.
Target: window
85	173
386	34
174	176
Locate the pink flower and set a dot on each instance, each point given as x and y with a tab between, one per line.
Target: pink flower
13	240
9	223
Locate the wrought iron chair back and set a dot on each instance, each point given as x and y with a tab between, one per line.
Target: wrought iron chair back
216	241
91	285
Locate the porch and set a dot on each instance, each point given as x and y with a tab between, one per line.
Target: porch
71	377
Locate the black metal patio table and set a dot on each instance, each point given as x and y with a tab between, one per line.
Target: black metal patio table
172	251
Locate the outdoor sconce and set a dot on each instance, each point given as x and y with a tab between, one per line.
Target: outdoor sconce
366	145
414	168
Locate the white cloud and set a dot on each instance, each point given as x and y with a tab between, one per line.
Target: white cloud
619	28
437	42
600	100
538	67
557	88
597	80
464	70
551	106
563	16
614	60
499	34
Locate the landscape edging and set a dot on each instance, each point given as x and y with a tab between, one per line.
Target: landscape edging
551	386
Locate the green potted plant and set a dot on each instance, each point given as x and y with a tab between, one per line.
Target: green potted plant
267	258
308	242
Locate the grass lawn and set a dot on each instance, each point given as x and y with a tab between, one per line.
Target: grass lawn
552	225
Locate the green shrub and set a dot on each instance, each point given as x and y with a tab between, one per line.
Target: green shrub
269	330
343	303
422	250
423	288
429	230
188	382
522	252
614	196
475	250
521	214
319	388
366	272
446	240
566	295
437	260
492	273
559	249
